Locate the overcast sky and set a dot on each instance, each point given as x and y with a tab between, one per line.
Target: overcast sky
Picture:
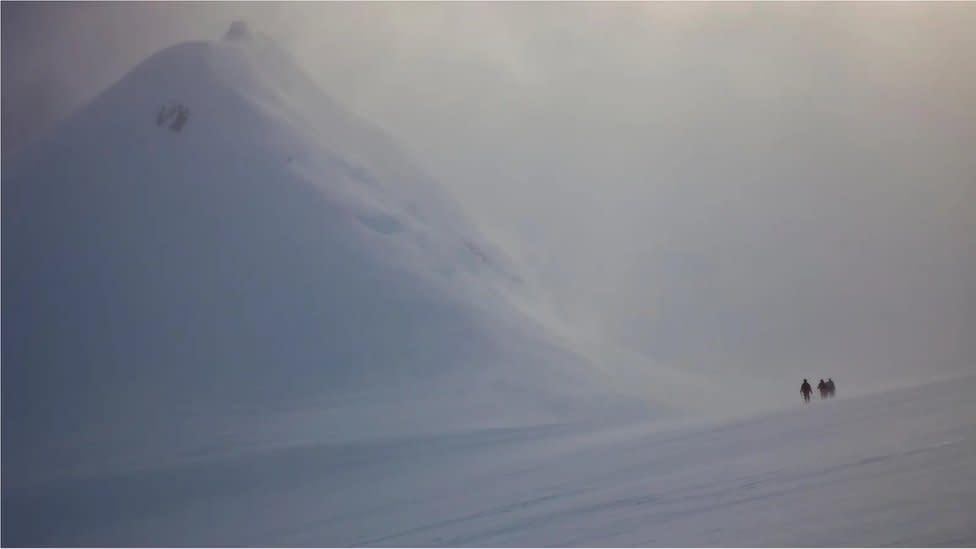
743	190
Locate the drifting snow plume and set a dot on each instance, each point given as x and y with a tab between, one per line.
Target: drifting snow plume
277	251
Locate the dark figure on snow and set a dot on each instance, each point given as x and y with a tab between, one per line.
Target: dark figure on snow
822	387
830	387
805	390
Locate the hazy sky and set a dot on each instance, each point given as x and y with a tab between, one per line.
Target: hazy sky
745	190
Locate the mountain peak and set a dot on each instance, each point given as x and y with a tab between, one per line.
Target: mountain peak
238	31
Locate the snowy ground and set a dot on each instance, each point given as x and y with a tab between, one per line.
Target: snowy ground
897	468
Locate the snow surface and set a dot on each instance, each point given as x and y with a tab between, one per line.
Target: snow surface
896	468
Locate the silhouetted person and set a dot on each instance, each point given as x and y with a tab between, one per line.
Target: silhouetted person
822	387
830	387
805	390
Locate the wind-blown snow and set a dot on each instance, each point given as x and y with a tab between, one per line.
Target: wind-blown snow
273	266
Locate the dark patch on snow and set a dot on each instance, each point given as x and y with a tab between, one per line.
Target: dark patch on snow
474	249
381	223
174	116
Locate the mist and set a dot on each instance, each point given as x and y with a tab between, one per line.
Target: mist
744	193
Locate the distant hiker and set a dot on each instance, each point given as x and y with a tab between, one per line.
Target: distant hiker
805	390
830	387
822	387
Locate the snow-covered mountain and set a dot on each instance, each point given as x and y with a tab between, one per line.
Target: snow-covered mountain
214	237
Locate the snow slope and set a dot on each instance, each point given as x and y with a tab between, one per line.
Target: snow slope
275	266
896	468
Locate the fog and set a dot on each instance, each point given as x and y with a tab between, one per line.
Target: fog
747	192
